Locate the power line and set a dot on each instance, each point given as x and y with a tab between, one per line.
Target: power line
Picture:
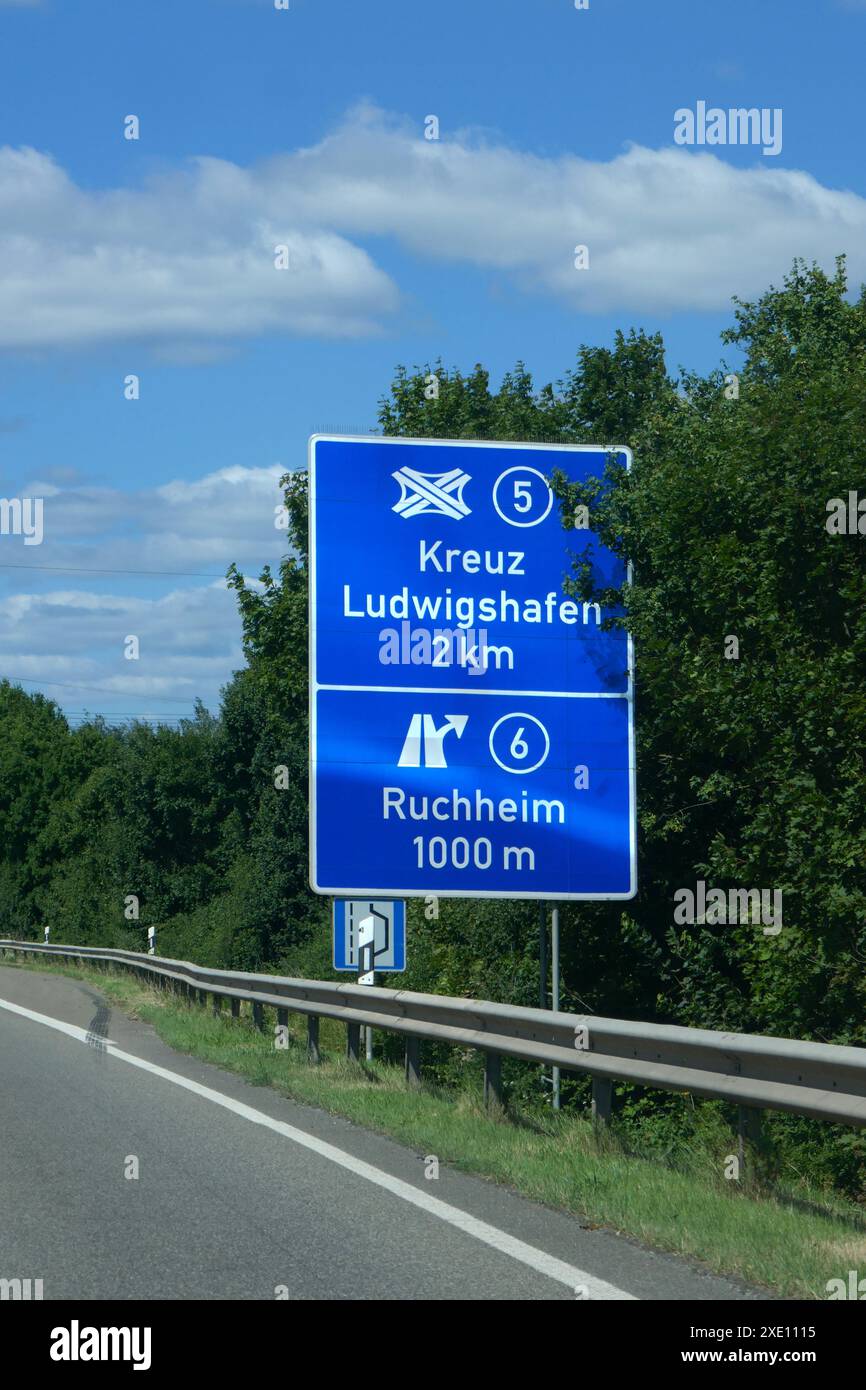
128	714
91	569
131	714
100	689
120	722
118	713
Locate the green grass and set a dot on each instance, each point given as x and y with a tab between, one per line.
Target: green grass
791	1242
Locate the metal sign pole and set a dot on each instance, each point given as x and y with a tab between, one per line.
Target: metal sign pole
554	941
543	972
367	976
542	955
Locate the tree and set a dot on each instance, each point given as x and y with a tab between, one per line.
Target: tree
751	770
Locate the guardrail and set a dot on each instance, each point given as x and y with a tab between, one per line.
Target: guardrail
821	1080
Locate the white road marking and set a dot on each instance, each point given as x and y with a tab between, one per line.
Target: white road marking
548	1265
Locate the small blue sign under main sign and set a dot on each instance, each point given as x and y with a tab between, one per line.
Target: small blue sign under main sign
389	939
471	723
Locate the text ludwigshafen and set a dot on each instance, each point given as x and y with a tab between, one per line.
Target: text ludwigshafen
465	609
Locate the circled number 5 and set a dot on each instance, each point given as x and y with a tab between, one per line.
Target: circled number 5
522	494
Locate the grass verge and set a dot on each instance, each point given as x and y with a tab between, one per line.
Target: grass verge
790	1242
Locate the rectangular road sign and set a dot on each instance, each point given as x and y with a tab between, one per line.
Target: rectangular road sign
471	724
389	940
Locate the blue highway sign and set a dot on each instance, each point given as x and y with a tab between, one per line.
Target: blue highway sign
472	728
389	941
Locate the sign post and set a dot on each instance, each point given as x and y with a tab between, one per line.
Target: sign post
366	948
471	724
366	953
554	1003
369	935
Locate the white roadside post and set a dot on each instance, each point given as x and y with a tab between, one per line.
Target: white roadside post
151	941
47	933
367	976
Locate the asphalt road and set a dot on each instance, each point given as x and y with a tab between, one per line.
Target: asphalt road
242	1193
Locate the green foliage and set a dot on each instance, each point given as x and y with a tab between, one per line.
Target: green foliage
751	771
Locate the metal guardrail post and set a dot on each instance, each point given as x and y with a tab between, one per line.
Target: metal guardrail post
353	1041
236	1007
493	1080
602	1102
217	1003
748	1137
313	1039
413	1061
283	1018
258	1016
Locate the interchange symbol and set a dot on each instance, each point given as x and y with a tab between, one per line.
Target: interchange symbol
422	746
439	493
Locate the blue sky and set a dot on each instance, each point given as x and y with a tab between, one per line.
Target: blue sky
306	127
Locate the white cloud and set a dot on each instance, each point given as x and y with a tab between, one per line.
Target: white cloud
64	632
190	256
187	258
667	229
189	643
199	525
